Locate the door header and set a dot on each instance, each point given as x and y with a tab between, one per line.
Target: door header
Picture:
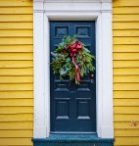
68	1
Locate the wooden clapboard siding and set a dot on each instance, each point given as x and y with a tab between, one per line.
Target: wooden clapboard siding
16	72
126	72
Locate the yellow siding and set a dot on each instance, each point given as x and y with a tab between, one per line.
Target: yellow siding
126	72
16	72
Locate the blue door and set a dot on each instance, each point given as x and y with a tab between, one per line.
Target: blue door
73	107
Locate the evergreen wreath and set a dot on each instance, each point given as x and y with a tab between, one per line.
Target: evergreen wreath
72	59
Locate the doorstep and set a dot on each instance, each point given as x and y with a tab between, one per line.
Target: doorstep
73	140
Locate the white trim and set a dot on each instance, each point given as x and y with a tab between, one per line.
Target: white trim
39	118
74	1
98	10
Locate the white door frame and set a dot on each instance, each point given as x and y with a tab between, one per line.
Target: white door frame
95	10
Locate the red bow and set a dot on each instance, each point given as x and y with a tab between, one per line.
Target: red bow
73	50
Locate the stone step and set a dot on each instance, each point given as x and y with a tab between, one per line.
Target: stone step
73	140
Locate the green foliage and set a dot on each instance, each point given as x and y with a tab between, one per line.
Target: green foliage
62	64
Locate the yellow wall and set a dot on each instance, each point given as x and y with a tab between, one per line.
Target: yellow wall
16	73
126	72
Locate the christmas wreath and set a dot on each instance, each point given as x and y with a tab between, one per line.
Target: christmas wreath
72	59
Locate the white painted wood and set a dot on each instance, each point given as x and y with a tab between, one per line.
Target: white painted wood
107	90
47	73
97	10
39	84
56	7
74	1
99	71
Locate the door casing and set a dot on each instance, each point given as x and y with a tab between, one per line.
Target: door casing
43	13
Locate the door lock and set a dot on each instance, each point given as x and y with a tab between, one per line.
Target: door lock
91	78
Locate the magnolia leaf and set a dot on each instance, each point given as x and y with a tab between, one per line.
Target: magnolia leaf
88	51
54	54
63	72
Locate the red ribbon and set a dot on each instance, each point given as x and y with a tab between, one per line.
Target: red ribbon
73	50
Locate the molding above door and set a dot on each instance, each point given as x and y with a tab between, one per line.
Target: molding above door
72	1
95	10
72	5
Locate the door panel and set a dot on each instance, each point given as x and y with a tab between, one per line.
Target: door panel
73	107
